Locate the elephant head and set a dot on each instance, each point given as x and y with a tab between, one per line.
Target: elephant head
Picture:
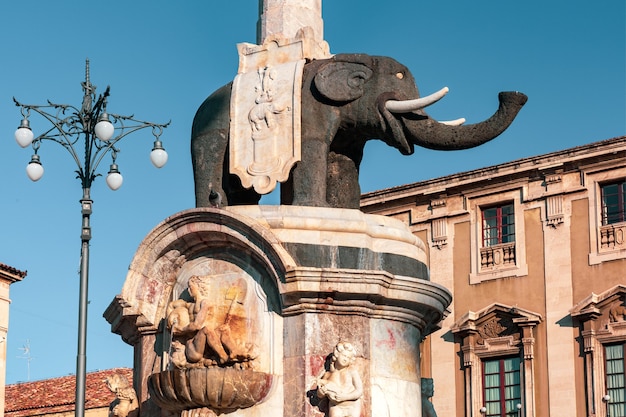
389	90
346	100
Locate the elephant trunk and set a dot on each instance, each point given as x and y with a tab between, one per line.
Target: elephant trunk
426	132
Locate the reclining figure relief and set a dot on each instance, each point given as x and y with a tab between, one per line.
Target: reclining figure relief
212	329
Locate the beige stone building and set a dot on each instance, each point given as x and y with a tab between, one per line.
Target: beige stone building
8	276
534	254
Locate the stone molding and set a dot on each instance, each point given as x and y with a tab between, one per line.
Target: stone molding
374	294
261	230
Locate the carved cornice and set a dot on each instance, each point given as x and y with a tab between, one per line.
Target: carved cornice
375	294
126	322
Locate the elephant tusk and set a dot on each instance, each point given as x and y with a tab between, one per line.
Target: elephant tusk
456	122
408	106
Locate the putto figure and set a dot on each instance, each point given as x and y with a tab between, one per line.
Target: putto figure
342	384
125	402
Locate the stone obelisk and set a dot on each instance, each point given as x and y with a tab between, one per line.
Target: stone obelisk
284	18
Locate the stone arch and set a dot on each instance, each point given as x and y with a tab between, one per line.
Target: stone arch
181	240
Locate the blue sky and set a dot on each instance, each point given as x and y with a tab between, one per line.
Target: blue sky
162	58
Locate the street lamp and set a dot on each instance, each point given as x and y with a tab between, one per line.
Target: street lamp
101	135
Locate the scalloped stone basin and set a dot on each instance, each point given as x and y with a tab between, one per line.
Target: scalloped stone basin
220	389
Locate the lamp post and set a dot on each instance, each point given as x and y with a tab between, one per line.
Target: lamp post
100	132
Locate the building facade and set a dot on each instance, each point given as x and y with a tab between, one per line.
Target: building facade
534	254
8	276
55	397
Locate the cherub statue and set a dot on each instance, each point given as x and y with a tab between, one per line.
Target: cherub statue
125	398
342	384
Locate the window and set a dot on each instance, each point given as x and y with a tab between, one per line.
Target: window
501	387
497	238
607	214
498	225
601	319
615	379
613	202
497	355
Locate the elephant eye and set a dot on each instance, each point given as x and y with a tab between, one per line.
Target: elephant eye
399	75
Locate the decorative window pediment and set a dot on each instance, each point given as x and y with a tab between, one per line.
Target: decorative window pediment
496	320
602	316
498	329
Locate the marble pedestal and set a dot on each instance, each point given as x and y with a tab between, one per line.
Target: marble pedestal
291	282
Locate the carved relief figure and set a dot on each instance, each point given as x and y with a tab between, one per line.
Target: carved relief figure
212	330
346	100
125	397
261	116
263	124
342	384
428	390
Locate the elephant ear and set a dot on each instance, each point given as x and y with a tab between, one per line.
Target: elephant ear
342	81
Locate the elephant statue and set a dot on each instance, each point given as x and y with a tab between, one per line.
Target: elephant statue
347	100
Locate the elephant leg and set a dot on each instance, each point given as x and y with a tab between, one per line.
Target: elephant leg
343	188
207	171
211	173
208	151
308	185
215	186
238	195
